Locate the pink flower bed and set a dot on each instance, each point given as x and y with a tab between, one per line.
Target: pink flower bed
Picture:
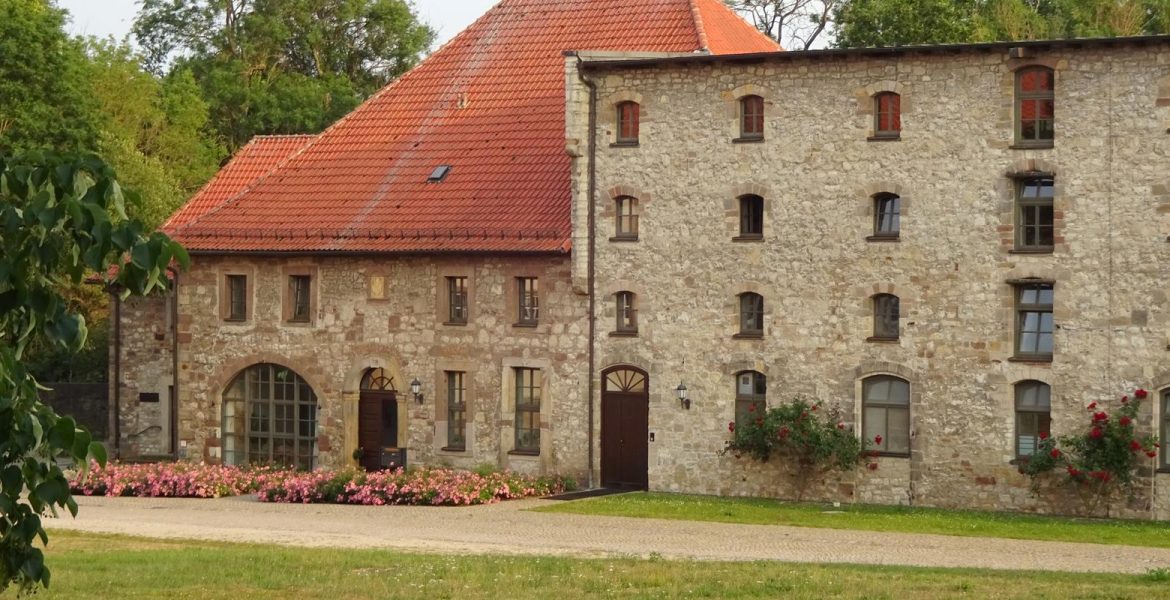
174	480
436	487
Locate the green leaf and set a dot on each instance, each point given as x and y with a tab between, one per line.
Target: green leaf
11	480
81	442
52	491
61	435
97	452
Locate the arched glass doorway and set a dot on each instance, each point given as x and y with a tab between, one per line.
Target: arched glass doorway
269	417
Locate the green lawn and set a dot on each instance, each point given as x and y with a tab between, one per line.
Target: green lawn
100	566
762	511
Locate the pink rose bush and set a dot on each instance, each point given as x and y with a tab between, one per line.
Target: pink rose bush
425	486
433	487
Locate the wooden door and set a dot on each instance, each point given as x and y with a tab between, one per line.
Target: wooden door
625	418
377	427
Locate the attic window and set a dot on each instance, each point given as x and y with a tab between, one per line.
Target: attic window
439	174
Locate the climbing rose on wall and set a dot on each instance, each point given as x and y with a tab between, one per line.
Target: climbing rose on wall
1100	462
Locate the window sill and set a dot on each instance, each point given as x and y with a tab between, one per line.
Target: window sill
455	323
1163	470
235	321
1046	250
525	325
624	238
748	335
873	339
298	323
1038	360
893	454
883	238
627	334
524	452
884	138
747	140
625	144
1032	146
450	449
750	237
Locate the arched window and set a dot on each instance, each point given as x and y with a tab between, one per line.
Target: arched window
269	417
1035	106
627	122
751	121
885	403
751	217
626	225
751	315
886	313
751	395
887	216
627	312
1033	415
887	115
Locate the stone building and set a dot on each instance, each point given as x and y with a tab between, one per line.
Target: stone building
957	247
397	288
521	250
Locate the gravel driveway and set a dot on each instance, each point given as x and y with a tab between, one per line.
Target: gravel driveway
508	528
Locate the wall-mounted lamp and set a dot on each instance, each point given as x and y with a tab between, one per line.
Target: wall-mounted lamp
416	389
681	392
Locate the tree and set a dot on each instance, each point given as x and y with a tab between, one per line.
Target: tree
281	66
863	23
794	24
61	218
43	96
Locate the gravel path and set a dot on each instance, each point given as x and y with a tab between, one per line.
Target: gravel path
509	529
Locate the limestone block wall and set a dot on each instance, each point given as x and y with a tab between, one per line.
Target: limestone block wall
143	388
354	328
817	172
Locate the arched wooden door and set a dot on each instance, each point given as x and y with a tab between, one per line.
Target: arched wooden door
625	423
378	422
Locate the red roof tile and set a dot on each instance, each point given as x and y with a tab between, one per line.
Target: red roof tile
489	103
253	161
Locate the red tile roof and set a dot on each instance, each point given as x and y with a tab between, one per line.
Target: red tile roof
727	33
253	161
489	103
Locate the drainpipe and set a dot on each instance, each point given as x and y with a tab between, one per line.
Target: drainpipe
592	188
174	399
117	375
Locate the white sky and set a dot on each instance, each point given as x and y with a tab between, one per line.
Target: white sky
115	17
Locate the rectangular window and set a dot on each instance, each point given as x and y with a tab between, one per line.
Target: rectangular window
1033	416
627	315
886	416
457	300
887	115
751	314
751	125
237	297
628	123
527	410
751	396
1035	222
528	296
300	292
1164	439
887	216
627	218
751	217
456	412
886	315
1035	107
1034	324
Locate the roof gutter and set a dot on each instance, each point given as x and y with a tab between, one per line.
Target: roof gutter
591	252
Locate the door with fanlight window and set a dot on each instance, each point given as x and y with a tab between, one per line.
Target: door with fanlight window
625	418
378	423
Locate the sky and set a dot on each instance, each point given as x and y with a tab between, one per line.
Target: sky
115	17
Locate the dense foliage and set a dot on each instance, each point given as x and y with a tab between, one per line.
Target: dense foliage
281	66
61	218
1103	459
808	440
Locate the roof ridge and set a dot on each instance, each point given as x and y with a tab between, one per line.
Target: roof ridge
279	135
699	29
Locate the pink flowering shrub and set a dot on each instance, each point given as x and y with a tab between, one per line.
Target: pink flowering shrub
174	480
436	487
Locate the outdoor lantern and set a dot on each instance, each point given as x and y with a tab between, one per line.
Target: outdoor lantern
416	389
681	391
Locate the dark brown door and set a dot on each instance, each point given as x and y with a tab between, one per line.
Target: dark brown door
625	417
377	427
